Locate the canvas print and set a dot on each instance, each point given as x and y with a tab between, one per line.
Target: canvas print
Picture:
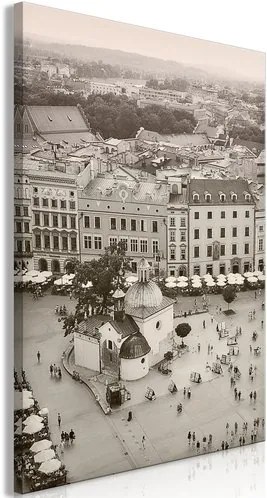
139	247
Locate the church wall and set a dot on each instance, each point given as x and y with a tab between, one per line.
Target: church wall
135	368
86	351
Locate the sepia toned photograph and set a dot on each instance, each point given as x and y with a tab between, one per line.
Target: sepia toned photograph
139	247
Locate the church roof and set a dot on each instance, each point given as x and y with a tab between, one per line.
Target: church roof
146	294
145	312
134	346
92	323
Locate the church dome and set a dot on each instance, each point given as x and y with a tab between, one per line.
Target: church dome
145	292
134	346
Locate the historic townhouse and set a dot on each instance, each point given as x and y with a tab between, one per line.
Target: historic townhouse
54	219
260	232
220	226
177	228
125	205
23	255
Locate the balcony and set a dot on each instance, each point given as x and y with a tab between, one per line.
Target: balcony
23	254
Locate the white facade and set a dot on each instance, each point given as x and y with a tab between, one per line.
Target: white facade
86	350
135	368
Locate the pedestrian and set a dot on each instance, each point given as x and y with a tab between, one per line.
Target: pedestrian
255	396
243	440
263	423
217	309
208	348
254	314
217	327
211	349
250	348
67	439
255	294
220	309
240	331
251	395
130	416
239	395
51	368
204	443
193	438
143	442
227	427
236	427
61	447
210	440
59	372
59	419
252	435
198	347
262	324
184	392
204	324
235	392
62	436
72	436
189	437
240	441
211	318
38	356
189	393
222	445
198	446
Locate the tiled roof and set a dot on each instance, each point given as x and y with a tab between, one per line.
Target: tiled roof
181	140
70	138
217	187
52	119
125	328
261	158
144	312
250	145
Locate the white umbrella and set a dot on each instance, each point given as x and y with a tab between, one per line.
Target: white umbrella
87	285
32	419
221	283
208	275
131	279
43	412
211	284
182	278
44	456
230	275
33	273
221	276
46	274
170	279
252	280
261	278
44	444
50	466
38	280
70	276
257	273
248	274
170	285
197	285
182	284
33	428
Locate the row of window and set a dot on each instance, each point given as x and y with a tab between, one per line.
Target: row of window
173	253
22	227
132	245
210	214
173	222
173	236
222	232
60	221
23	246
56	242
22	211
122	224
209	252
19	129
222	268
55	203
222	197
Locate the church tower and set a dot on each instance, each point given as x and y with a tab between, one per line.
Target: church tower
119	309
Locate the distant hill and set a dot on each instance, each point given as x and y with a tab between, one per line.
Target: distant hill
127	60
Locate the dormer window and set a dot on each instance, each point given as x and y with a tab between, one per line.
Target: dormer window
247	197
233	197
222	197
207	197
195	197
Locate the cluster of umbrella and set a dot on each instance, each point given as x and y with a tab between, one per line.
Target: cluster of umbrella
33	276
221	280
65	280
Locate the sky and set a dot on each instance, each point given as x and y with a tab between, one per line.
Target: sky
69	27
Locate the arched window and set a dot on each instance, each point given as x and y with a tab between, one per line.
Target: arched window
247	197
42	264
233	197
55	266
207	197
195	197
222	197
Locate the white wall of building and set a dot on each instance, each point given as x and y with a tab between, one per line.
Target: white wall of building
86	350
134	369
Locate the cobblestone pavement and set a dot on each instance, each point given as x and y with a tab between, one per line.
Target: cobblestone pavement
108	444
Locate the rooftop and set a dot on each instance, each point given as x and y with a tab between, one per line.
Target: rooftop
93	323
145	312
209	191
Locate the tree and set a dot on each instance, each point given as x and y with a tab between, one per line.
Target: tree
229	294
182	330
106	274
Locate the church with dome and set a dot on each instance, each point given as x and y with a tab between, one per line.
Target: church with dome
127	344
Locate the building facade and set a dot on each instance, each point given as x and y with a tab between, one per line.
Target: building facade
23	253
54	220
220	227
177	242
125	205
260	233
